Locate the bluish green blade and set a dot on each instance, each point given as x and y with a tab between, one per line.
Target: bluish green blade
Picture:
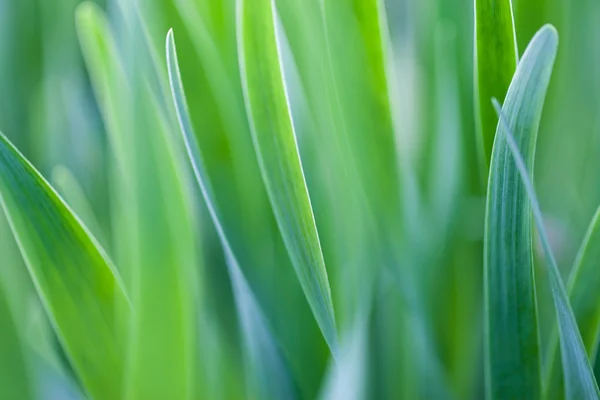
496	59
275	144
76	281
580	383
512	348
266	369
585	301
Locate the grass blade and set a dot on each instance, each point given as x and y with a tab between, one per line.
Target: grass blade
277	151
512	340
154	195
496	59
583	284
73	276
14	374
265	364
67	185
579	376
585	302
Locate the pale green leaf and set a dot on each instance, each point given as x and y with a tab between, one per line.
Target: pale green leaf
511	323
152	193
277	151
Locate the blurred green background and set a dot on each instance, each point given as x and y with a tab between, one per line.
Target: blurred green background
50	111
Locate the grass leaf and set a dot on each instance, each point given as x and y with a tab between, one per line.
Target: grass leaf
73	276
585	302
67	185
496	59
266	369
511	326
277	151
579	375
14	375
154	196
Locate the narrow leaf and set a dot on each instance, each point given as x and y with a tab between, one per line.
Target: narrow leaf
512	340
579	375
585	300
266	368
76	281
14	375
67	185
277	151
154	197
496	59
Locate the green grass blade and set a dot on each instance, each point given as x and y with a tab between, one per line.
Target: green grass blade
275	143
154	195
496	59
266	369
511	327
67	185
583	287
74	278
585	302
579	376
14	375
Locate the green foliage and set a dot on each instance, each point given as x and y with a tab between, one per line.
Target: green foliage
79	286
267	373
289	159
275	142
496	57
512	339
579	376
583	298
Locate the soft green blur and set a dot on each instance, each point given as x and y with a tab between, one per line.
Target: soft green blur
397	197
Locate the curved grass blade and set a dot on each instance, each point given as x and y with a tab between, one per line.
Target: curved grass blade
277	151
266	369
511	327
585	301
77	283
162	347
347	377
580	383
14	375
496	58
583	287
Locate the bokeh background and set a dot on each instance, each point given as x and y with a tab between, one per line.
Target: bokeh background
50	111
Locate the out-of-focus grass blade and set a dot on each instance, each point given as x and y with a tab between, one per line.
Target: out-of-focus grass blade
579	376
585	301
74	278
266	369
108	82
154	192
347	377
275	143
15	382
496	59
511	327
70	189
583	287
